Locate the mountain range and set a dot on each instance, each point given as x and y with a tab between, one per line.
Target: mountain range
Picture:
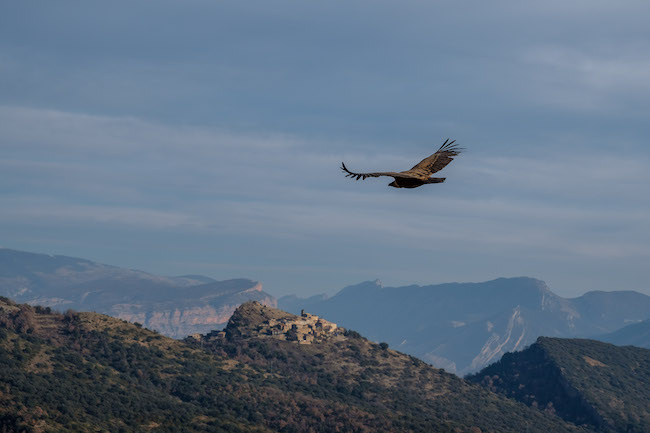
176	306
463	327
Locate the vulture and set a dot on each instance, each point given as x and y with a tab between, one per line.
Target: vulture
419	174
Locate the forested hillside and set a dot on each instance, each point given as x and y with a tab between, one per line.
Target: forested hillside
584	381
89	372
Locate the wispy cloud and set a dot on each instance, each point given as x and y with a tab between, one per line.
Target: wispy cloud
607	80
39	212
219	140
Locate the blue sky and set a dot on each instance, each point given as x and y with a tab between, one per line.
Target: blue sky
205	137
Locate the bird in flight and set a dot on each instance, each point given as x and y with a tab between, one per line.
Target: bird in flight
419	174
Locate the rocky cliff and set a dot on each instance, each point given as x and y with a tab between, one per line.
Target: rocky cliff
200	314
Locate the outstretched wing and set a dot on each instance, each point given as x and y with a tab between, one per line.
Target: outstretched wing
376	174
437	161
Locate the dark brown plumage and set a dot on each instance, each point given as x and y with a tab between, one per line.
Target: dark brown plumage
420	173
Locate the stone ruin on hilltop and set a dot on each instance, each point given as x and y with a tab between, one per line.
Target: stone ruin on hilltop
304	329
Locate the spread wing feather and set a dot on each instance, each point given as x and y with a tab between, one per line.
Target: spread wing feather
437	161
363	176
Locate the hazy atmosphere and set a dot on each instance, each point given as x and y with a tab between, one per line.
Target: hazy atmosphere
205	137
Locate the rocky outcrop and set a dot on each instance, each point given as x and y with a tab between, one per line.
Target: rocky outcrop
254	319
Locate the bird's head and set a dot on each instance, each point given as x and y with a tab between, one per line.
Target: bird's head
394	184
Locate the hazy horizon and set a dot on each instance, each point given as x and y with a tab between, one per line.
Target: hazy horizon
206	138
328	292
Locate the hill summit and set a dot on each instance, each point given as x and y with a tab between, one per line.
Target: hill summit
253	319
583	381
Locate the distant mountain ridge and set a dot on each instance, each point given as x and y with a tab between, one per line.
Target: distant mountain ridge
463	327
636	334
175	306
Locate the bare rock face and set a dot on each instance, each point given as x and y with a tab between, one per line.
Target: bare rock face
179	322
174	306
